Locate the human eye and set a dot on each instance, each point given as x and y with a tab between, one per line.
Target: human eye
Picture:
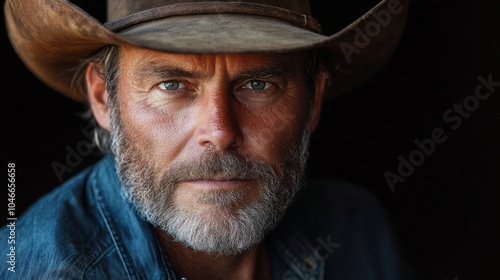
257	85
258	91
171	85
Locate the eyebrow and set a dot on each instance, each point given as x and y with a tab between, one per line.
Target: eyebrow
278	68
162	70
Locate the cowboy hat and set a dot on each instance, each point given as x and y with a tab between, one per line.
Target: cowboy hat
52	36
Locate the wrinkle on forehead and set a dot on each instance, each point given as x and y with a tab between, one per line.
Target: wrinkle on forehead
206	64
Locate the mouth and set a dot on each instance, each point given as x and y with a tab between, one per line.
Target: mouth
217	183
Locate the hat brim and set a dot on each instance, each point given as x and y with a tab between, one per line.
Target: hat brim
53	48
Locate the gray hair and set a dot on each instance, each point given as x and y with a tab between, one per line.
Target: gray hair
107	62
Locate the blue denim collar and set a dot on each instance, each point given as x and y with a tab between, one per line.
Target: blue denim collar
293	255
134	239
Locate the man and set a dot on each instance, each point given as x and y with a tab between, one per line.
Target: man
204	112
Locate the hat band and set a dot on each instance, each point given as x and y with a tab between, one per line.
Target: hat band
181	9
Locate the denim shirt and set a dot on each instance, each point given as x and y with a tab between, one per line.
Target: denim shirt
85	229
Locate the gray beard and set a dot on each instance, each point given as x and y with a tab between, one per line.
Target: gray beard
226	230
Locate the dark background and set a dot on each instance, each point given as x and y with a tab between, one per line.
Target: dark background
446	212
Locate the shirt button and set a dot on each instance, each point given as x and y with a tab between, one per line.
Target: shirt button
310	263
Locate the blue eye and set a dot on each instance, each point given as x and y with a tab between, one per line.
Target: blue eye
257	85
171	85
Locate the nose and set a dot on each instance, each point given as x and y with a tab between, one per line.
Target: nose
218	123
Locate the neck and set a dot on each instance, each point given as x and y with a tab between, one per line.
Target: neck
194	265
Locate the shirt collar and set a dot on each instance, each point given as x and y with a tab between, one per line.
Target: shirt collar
136	243
293	255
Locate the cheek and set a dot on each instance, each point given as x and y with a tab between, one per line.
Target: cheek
161	136
275	132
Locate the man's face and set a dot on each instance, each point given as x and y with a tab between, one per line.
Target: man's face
211	148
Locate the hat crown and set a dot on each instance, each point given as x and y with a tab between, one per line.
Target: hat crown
118	9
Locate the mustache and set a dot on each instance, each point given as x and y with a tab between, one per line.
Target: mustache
224	165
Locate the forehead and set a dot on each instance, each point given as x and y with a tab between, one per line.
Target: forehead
133	57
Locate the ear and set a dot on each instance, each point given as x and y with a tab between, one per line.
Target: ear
97	95
320	82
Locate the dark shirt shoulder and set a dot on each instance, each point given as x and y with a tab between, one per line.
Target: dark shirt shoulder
350	230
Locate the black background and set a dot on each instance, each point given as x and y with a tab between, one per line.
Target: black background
446	212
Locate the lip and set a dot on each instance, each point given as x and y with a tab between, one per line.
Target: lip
217	183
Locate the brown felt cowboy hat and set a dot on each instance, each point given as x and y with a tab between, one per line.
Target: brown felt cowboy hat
51	36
